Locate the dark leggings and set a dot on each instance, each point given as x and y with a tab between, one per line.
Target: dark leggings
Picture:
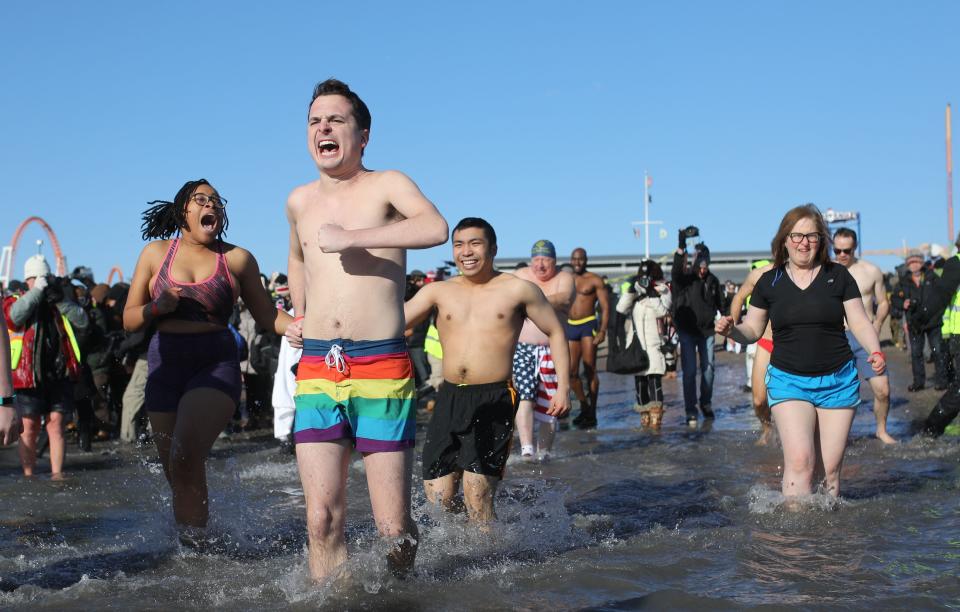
649	388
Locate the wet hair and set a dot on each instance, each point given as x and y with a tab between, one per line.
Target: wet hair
846	232
164	219
651	269
488	231
333	87
806	211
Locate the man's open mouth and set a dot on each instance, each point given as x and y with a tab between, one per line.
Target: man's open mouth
328	147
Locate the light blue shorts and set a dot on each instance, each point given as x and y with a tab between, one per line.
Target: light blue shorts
840	389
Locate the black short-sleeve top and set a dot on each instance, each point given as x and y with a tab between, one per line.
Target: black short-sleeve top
808	336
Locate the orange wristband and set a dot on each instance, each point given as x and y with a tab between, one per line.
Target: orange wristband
300	318
882	356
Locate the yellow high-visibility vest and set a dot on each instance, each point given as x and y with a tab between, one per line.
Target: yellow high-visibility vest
951	316
757	264
16	344
431	344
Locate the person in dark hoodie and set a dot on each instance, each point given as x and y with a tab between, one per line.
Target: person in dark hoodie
697	297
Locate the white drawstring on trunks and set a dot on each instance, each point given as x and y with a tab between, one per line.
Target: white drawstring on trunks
335	358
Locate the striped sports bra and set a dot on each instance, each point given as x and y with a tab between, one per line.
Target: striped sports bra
210	300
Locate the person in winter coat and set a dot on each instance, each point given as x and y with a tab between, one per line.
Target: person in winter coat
645	301
44	325
697	299
918	298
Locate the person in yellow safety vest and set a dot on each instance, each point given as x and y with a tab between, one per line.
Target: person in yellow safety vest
45	360
948	406
431	346
10	425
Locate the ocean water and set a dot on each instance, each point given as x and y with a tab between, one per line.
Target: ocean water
619	519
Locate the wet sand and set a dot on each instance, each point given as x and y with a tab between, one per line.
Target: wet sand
619	519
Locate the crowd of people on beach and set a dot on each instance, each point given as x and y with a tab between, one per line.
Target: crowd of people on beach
341	352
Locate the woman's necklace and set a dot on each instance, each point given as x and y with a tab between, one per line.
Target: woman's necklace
795	276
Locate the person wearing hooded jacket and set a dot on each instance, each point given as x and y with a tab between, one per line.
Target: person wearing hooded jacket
646	300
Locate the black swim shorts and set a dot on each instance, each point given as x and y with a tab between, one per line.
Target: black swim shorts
471	430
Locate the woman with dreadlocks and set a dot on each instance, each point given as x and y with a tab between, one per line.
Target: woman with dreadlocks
186	282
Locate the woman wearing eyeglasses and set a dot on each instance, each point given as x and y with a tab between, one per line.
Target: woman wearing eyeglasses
186	283
812	383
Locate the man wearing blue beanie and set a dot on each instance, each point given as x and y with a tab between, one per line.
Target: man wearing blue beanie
534	373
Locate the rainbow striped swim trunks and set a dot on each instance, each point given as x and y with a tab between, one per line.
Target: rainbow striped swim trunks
361	390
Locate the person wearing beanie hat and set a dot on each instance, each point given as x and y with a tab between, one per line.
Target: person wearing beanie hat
35	267
534	374
873	292
919	298
44	393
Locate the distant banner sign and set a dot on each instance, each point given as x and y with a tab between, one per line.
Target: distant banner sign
833	216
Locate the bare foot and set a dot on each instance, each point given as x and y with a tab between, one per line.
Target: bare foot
886	438
57	476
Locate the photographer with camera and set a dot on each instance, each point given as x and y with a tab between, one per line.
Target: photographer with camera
45	358
918	298
645	300
697	298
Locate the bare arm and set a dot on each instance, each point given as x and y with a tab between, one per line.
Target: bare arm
747	332
736	306
296	280
265	313
6	381
883	304
860	325
419	307
422	226
566	292
866	335
544	317
138	311
604	299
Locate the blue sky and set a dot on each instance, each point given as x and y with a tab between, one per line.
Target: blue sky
539	116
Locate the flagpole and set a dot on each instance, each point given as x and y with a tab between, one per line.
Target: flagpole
951	236
646	217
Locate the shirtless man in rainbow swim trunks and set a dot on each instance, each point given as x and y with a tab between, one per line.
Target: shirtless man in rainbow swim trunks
479	317
534	371
584	335
761	359
348	233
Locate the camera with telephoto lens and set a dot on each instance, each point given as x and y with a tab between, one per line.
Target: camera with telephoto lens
53	292
691	231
